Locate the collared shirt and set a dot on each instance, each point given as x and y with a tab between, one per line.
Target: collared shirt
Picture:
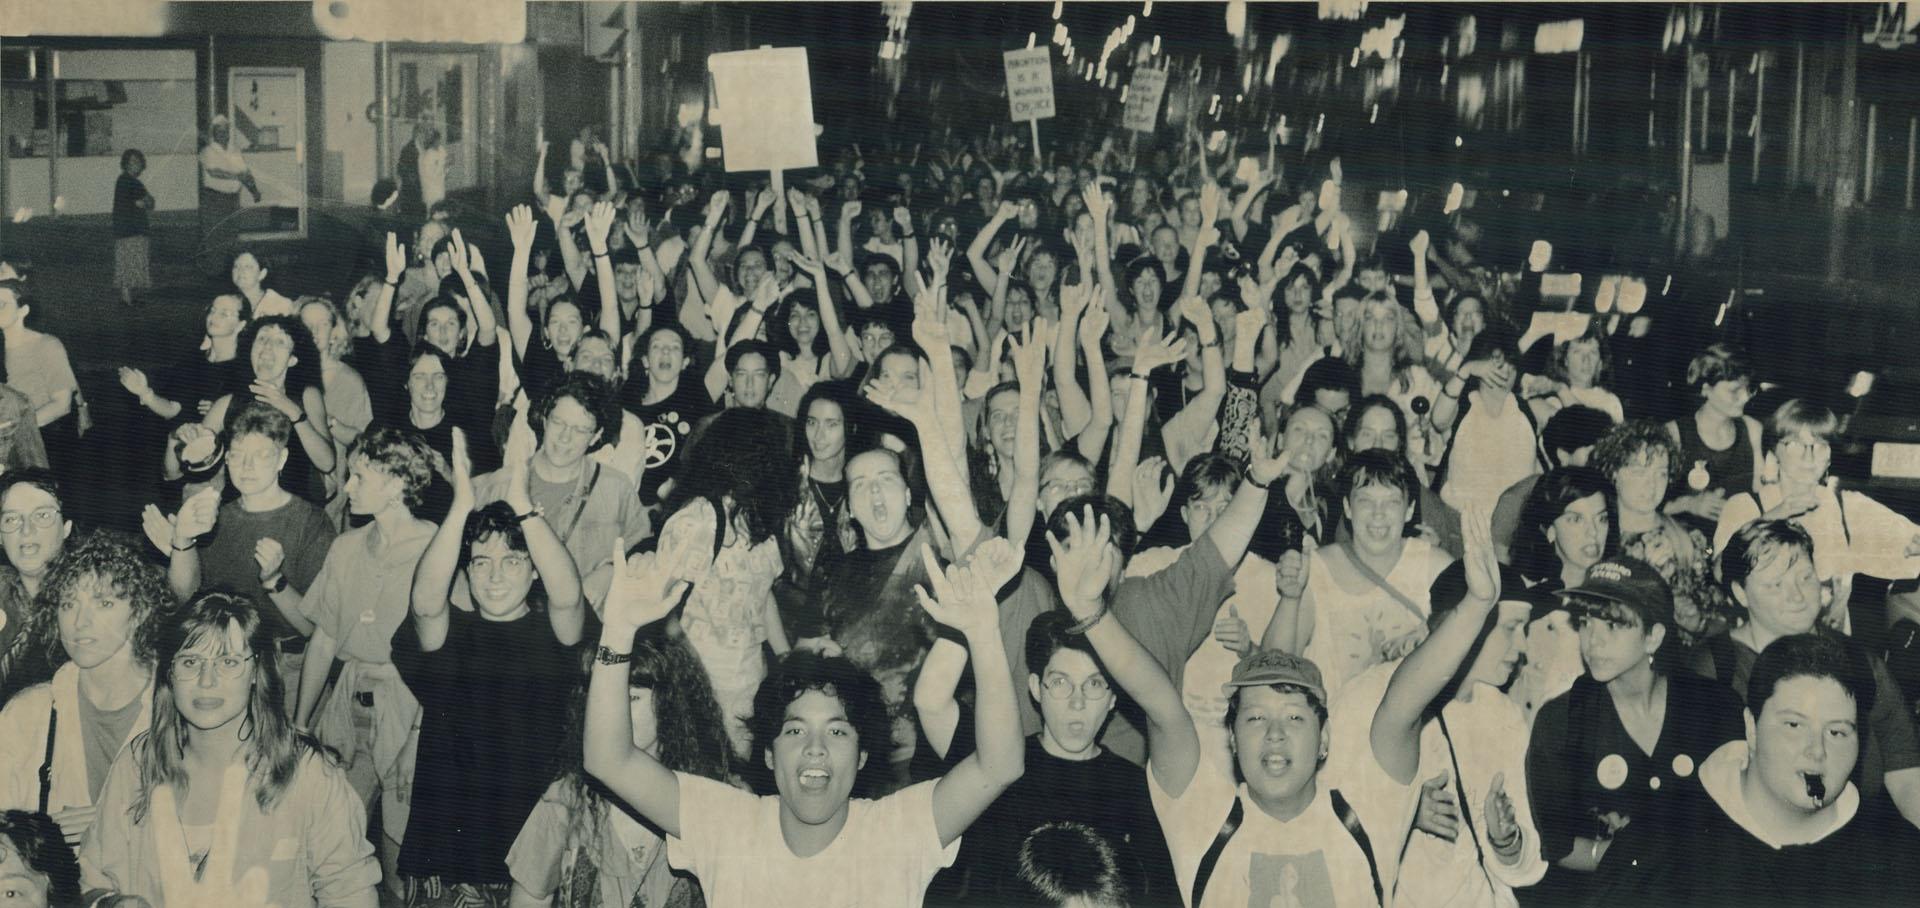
223	158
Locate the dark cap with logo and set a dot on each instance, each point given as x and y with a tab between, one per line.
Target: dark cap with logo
1629	582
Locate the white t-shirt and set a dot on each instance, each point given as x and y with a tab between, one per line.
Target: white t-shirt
1491	451
1490	736
1356	626
1311	860
884	857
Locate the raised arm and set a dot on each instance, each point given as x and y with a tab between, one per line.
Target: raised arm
1082	563
519	323
930	332
1029	366
840	351
704	281
540	169
1101	209
1154	352
433	575
963	599
1092	440
1424	673
382	326
559	576
946	478
1233	529
1075	410
478	311
600	220
977	250
644	591
933	701
136	384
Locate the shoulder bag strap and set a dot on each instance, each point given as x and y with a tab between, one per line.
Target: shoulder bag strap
1372	576
46	765
1460	788
1348	819
1219	846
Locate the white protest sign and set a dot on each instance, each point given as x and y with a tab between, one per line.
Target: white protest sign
1030	83
767	98
1143	98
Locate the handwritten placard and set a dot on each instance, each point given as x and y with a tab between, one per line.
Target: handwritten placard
1030	83
766	97
1143	98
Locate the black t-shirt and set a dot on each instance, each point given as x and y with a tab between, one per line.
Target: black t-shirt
383	367
1865	862
493	701
195	382
672	420
866	604
1107	794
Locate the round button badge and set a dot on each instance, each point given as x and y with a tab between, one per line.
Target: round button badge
1682	765
1612	771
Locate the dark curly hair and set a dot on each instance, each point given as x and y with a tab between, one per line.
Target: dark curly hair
118	559
741	457
592	393
401	454
37	840
802	671
1556	489
304	373
1633	441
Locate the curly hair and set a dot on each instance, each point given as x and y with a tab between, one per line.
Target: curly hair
304	373
736	463
401	454
780	334
1071	864
39	843
800	672
593	394
1632	442
108	557
275	749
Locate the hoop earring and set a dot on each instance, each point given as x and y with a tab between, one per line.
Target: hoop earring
246	726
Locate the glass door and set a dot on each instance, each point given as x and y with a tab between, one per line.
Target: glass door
267	106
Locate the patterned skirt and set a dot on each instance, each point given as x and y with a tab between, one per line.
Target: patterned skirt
130	270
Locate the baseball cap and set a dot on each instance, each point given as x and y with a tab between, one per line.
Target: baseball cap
1263	667
1629	582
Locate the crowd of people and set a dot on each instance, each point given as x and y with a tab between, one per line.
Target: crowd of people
942	529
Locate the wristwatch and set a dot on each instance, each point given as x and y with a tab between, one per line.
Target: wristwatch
277	584
607	656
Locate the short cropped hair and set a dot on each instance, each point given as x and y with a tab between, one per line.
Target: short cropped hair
1755	544
1814	655
1796	416
1717	363
401	454
1576	427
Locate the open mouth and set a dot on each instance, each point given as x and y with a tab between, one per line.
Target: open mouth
814	779
1276	764
1816	787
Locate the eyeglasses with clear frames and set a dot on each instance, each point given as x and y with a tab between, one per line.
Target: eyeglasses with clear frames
1061	687
15	522
226	667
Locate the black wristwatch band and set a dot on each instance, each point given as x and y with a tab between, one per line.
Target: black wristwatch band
607	656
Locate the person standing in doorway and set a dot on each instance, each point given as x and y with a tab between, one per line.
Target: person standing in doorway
223	173
131	205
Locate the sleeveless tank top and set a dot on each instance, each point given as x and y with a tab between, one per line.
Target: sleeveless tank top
1730	470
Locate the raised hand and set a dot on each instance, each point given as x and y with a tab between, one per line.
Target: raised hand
995	562
1209	203
1264	466
762	200
638	230
556	209
196	517
851	210
903	217
462	469
1029	359
905	402
644	589
716	207
1249	323
1290	572
1195	312
960	599
796	198
1093	325
396	258
1007	211
1482	566
1097	204
1083	562
462	265
930	320
520	228
270	556
1010	255
135	381
939	260
1156	350
157	526
1152	492
1420	243
1073	302
600	220
1231	632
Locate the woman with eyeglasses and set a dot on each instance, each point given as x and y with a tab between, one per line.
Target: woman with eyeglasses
33	531
1852	533
95	614
224	801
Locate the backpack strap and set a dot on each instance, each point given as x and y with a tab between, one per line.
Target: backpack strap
46	765
1348	819
1219	846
